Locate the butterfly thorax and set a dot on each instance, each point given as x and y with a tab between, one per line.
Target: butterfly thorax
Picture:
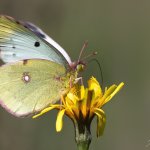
73	73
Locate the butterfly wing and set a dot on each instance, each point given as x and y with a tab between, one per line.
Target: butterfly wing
46	38
22	40
28	86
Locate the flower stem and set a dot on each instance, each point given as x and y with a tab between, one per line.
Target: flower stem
82	135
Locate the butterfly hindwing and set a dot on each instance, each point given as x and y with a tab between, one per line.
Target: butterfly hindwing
28	86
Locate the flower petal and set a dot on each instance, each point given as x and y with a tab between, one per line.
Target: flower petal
118	88
46	110
82	92
72	96
101	121
109	93
85	104
59	120
93	85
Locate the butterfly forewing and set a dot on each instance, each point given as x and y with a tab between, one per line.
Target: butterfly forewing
18	42
27	87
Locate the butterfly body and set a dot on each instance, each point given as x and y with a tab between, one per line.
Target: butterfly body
36	70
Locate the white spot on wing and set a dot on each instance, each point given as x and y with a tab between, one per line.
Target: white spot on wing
26	78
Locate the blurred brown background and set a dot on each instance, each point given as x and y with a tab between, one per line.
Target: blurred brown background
120	31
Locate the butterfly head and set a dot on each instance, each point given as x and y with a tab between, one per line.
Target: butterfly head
78	66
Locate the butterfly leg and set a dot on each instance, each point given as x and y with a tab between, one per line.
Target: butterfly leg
70	82
79	79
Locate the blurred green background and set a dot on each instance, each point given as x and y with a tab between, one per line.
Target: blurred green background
120	31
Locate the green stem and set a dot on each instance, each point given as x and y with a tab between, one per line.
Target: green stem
82	135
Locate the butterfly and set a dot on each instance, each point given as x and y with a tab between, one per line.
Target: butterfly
36	70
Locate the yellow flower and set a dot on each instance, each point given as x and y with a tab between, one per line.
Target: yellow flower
82	104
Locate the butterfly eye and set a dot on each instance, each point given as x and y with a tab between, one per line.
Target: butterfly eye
80	67
37	44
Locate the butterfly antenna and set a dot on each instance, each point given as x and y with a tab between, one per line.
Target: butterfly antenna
82	49
100	69
90	55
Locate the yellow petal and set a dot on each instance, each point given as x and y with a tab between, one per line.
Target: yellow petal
72	96
99	111
46	110
76	111
92	81
59	120
69	101
101	121
85	104
93	85
118	88
107	93
82	91
69	105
